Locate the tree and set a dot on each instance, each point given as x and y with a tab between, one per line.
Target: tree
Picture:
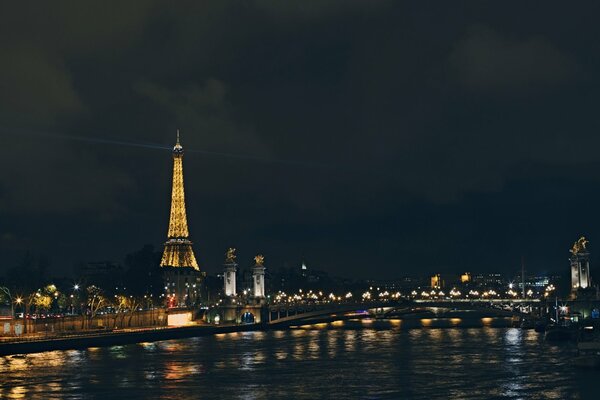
62	302
126	305
42	302
96	301
44	297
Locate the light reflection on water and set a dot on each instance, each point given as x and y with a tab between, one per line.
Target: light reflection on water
343	359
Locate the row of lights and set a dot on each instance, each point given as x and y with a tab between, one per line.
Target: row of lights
282	297
490	293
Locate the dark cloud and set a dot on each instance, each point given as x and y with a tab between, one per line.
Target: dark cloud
36	87
362	136
488	60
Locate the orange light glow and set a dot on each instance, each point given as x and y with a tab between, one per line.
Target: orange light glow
179	319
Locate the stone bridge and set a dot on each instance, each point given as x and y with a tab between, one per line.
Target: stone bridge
288	314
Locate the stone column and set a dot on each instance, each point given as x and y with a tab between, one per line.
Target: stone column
229	279
258	276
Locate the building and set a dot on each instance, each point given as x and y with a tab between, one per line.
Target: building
580	265
181	272
491	280
437	282
465	278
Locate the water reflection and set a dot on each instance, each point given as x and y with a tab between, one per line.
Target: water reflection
332	343
350	340
343	359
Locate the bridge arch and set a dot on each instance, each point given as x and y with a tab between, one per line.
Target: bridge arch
247	318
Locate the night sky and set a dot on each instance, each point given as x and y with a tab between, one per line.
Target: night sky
372	139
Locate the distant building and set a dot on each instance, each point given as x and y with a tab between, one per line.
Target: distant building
405	283
465	278
437	282
538	282
488	280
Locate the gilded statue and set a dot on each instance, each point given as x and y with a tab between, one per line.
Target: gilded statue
259	260
579	245
230	256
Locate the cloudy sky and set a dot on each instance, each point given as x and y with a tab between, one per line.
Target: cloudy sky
370	138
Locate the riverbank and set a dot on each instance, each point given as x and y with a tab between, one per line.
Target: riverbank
36	344
113	338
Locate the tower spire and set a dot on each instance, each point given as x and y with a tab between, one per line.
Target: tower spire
178	248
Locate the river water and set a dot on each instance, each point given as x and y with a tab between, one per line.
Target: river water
366	359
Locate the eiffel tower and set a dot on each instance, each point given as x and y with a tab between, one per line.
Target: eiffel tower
178	248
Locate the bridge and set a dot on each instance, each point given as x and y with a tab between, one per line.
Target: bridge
288	314
285	314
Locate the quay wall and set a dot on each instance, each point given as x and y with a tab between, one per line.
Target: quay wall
116	338
76	323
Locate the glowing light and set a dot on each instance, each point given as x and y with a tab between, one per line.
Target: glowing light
179	319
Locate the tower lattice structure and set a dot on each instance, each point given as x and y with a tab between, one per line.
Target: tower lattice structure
178	248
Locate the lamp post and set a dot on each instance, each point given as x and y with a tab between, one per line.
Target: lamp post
74	297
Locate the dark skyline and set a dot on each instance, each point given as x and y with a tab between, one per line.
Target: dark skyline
371	139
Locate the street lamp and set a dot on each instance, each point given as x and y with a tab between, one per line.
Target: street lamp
19	301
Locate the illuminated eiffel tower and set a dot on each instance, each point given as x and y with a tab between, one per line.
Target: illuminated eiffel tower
181	273
178	248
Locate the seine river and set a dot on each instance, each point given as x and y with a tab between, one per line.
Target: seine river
353	359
